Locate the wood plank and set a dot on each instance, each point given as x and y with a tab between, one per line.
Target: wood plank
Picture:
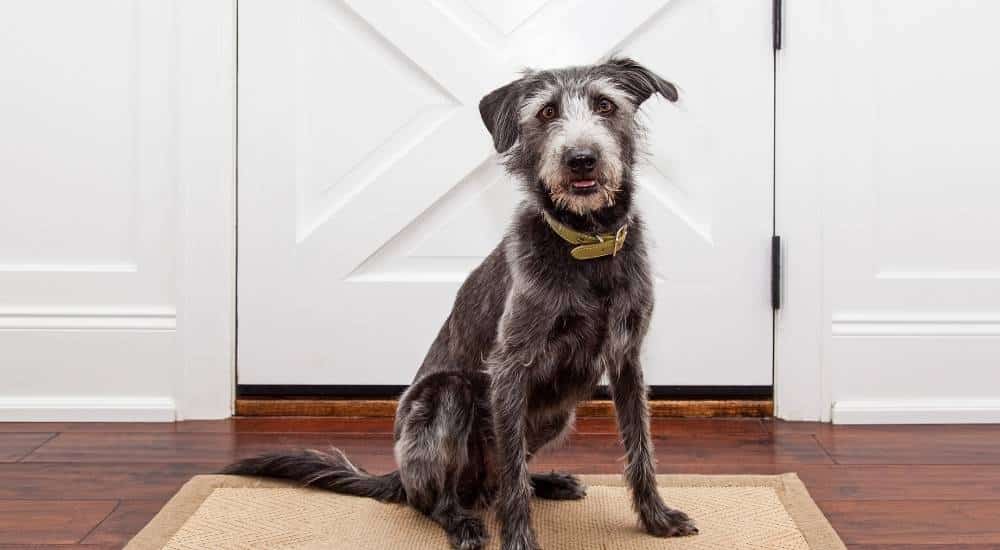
911	482
957	444
585	425
127	520
915	522
102	481
211	449
50	521
15	446
676	426
6	427
386	408
778	426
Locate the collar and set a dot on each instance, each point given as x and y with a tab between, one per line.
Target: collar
591	245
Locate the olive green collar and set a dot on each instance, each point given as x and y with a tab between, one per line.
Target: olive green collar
590	245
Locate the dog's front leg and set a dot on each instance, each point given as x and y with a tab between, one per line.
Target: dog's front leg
509	403
629	394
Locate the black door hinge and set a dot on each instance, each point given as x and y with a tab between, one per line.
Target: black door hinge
776	24
776	272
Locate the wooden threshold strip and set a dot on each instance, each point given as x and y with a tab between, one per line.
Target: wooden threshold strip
386	408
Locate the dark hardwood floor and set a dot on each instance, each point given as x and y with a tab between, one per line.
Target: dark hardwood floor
94	485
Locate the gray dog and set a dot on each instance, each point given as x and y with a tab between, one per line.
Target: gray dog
565	298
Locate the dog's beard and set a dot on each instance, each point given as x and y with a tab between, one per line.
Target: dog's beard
560	188
557	179
565	198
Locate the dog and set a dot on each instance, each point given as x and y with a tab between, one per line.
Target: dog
565	298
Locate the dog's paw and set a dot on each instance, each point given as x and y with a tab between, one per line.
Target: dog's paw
555	486
666	522
468	534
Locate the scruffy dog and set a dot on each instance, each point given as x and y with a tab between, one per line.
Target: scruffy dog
563	299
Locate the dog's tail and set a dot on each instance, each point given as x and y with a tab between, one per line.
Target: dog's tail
331	471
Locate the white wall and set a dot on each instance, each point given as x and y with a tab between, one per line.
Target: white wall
889	188
115	223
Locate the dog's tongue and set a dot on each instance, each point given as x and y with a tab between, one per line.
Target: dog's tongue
583	184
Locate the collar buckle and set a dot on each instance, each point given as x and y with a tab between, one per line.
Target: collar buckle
620	239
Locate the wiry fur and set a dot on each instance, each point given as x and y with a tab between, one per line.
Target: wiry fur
532	329
332	471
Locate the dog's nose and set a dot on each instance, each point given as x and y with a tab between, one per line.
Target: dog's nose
580	159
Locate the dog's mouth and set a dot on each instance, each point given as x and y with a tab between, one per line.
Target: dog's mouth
582	193
583	186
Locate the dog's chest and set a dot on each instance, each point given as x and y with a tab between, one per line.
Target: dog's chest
587	336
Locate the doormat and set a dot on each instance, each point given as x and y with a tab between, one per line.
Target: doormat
731	512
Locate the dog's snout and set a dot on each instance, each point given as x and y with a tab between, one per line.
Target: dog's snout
580	159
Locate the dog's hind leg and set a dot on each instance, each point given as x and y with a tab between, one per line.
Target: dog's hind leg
432	451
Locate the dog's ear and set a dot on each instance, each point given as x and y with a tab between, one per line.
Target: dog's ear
499	111
639	81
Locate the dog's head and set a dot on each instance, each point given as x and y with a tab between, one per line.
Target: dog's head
572	132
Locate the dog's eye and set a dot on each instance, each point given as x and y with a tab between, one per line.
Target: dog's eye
605	106
547	113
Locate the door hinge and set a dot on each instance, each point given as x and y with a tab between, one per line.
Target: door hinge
776	272
776	24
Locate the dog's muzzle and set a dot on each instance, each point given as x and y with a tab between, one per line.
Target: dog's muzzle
581	162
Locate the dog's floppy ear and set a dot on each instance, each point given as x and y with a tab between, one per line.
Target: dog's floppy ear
499	111
639	81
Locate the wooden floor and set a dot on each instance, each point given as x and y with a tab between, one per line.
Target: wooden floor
883	487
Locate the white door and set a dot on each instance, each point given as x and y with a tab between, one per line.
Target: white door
368	187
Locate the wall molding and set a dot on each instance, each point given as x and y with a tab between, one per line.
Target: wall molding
87	409
953	275
929	411
120	267
926	324
79	318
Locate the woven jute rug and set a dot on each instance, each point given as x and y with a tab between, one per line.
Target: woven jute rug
732	513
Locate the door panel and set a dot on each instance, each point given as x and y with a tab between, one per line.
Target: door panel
911	256
368	188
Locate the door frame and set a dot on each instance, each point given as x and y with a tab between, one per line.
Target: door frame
205	381
204	101
804	101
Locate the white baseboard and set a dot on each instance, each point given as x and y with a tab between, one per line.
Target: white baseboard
87	409
946	411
